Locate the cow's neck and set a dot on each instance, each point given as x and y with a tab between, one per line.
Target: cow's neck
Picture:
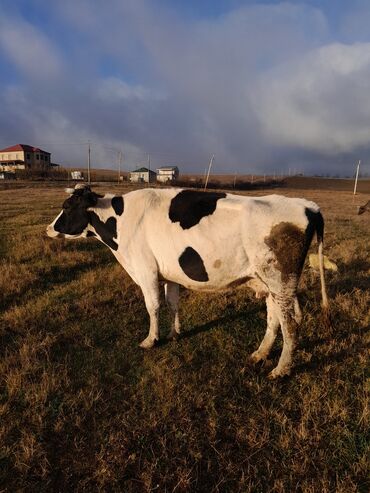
103	222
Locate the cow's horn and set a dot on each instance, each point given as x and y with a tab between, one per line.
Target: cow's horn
80	186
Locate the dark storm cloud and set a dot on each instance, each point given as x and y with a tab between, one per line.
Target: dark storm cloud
264	87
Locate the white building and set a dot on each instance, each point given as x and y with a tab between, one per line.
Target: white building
167	173
143	175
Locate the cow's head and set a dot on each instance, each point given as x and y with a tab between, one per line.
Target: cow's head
73	221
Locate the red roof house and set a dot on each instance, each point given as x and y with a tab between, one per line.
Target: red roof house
22	156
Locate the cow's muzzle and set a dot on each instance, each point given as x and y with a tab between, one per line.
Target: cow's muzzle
50	231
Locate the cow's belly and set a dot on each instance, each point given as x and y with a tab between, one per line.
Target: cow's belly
207	257
208	267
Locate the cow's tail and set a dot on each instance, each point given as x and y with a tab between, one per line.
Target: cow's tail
324	297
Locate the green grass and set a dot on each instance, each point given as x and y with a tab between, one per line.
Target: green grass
83	408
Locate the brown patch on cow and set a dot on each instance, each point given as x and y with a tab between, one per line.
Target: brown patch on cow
261	294
289	244
217	264
239	282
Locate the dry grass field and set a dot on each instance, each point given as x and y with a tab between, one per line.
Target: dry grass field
83	408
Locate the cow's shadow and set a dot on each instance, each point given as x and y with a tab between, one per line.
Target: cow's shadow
243	316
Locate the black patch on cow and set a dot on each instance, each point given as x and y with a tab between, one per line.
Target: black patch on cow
189	206
90	233
117	204
192	264
75	218
106	230
72	222
315	225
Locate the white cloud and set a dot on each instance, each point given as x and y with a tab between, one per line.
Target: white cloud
319	103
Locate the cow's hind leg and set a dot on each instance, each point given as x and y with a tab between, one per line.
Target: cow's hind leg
273	323
151	297
171	291
286	308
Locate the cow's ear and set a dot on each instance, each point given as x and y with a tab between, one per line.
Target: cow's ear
90	198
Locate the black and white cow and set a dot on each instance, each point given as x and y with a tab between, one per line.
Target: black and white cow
364	208
205	241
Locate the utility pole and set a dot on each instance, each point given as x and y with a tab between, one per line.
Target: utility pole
357	171
88	162
119	166
209	170
148	168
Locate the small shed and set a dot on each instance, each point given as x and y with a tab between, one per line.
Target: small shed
7	175
167	173
143	175
77	175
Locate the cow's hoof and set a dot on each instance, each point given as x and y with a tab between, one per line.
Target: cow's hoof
275	373
260	363
256	357
148	343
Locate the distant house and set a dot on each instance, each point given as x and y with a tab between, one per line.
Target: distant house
167	173
143	175
77	175
21	156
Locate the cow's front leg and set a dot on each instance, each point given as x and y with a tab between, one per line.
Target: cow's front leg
171	292
151	297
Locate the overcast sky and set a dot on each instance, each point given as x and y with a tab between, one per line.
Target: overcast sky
264	85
